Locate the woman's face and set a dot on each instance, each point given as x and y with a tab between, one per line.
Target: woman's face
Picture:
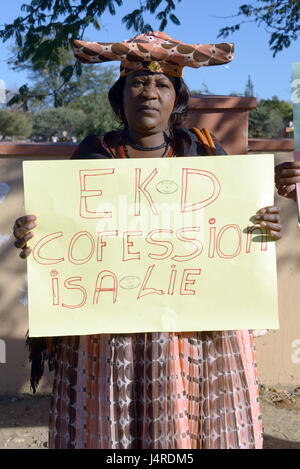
148	101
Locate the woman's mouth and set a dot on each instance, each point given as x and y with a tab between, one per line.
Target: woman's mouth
148	108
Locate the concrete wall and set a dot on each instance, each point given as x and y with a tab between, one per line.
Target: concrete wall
225	116
278	352
15	371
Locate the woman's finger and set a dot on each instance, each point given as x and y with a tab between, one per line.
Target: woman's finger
283	181
25	219
289	172
287	165
21	242
271	213
20	231
268	217
25	252
287	191
273	229
287	187
276	234
270	209
271	226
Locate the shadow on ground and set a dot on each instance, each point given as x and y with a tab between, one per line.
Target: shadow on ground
275	443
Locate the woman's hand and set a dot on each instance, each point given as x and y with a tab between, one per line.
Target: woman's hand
286	176
23	234
269	218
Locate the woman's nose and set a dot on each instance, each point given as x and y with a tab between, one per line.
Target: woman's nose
150	91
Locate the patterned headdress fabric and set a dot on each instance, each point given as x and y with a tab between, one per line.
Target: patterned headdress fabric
154	51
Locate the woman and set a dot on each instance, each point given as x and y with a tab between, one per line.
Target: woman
153	390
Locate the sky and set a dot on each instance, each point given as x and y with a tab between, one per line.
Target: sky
200	23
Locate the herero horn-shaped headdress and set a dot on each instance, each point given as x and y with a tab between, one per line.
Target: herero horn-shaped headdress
154	51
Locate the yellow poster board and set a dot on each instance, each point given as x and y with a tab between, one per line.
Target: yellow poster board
148	244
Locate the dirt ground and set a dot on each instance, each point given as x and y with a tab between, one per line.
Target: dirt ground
24	420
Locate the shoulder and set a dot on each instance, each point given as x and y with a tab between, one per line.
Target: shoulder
97	146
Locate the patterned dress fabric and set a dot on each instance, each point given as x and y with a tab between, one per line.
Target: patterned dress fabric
155	390
169	55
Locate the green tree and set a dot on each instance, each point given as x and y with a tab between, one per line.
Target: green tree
49	84
280	18
14	124
48	25
24	98
235	93
283	108
249	89
53	91
54	121
92	98
203	90
99	115
264	122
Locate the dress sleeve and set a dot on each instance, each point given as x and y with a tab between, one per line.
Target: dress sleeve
92	147
188	143
220	150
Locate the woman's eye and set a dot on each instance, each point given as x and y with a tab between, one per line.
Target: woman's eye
137	83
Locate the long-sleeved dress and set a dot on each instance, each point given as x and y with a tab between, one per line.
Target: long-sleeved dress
155	390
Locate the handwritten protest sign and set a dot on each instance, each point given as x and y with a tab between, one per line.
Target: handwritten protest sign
296	120
150	245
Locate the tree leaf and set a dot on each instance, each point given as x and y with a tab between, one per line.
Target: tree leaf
67	73
174	19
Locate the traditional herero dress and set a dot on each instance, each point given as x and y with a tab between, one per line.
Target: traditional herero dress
155	390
